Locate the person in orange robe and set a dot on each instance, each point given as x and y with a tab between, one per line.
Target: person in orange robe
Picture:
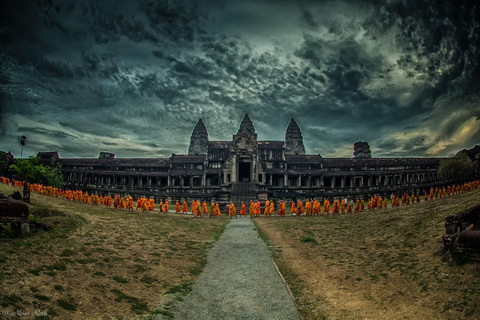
212	210
232	212
197	210
325	206
166	206
380	203
432	193
258	210
184	207
342	206
204	205
293	209
129	203
357	205
272	209
385	203
267	208
349	208
251	209
161	208
122	203
336	206
217	209
139	203
315	208
177	207
307	207
299	208
362	205
243	211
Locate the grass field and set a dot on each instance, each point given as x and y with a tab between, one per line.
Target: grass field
101	263
376	265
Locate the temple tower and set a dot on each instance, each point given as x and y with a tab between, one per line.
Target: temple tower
361	150
199	139
294	139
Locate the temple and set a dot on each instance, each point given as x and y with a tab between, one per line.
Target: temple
246	168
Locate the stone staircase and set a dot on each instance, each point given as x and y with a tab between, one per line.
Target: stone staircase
243	192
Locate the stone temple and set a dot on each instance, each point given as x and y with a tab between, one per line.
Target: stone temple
246	168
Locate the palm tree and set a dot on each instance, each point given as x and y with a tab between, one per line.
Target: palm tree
23	142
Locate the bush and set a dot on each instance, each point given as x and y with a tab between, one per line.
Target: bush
308	239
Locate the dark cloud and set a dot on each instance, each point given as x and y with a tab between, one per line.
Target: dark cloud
134	77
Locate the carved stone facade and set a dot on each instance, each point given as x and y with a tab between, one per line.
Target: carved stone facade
217	170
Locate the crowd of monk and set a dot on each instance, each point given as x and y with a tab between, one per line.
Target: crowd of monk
312	206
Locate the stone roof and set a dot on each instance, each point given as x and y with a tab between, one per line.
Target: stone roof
219	144
270	144
199	139
134	162
176	158
48	155
347	162
303	159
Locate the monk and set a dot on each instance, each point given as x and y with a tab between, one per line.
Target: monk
293	209
217	209
349	208
272	209
357	205
184	207
232	212
122	203
267	208
307	208
315	208
212	210
342	206
380	203
166	206
177	207
385	202
129	203
362	205
139	203
197	210
299	208
325	206
192	210
161	208
258	210
204	206
336	206
243	211
251	209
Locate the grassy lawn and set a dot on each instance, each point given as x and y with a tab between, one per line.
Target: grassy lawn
102	263
384	264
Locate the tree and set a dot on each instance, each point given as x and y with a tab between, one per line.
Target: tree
458	167
23	142
29	170
54	174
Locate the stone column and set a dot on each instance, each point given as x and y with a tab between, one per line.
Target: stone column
322	182
342	182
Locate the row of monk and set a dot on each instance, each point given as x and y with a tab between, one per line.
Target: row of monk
198	209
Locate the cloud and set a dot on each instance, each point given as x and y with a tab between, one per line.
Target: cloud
133	77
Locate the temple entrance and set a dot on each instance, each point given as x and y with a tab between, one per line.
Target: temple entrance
244	172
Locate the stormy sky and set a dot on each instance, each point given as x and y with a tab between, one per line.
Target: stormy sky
133	77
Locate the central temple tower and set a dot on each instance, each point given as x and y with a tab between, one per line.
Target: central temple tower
244	152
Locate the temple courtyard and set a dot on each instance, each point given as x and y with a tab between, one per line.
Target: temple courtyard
101	263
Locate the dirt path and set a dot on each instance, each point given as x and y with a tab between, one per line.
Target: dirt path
240	281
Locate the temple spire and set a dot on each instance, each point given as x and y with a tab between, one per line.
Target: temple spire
246	124
294	139
199	139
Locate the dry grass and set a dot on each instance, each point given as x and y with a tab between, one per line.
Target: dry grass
101	263
377	265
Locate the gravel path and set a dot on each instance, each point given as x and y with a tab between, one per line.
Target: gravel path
239	281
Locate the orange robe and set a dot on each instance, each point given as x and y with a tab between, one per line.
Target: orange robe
243	211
